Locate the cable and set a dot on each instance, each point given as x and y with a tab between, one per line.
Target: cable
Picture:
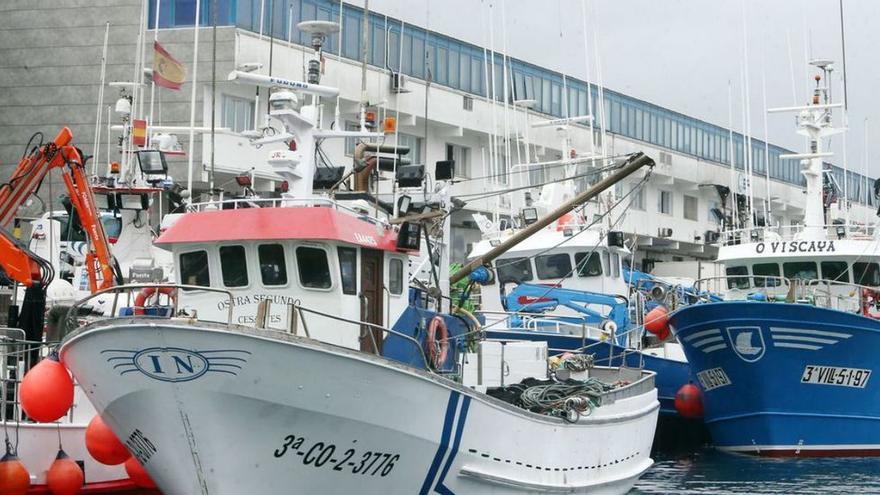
484	195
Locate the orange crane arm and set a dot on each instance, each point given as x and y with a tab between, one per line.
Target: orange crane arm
21	264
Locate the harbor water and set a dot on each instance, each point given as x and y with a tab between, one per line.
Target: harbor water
710	471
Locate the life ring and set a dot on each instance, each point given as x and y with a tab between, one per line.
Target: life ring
436	357
141	300
870	298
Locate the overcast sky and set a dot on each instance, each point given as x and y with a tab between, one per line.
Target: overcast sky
680	54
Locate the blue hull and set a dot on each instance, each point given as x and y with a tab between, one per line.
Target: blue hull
785	379
671	375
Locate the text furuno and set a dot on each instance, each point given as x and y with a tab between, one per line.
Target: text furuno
795	247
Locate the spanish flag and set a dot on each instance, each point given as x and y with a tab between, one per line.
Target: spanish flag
167	71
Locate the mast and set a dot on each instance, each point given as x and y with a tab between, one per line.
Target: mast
632	163
814	122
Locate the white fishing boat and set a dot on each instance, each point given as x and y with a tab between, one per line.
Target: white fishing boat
274	368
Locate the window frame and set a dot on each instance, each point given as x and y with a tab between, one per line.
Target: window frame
846	271
329	267
584	255
283	257
392	260
569	274
247	270
207	264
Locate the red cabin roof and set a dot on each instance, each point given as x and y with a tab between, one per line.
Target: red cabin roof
275	224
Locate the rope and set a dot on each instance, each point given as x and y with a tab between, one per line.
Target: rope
568	400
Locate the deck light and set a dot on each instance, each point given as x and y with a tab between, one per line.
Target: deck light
243	180
529	215
841	231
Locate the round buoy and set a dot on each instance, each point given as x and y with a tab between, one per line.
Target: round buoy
657	322
14	477
138	474
65	477
689	401
103	445
47	391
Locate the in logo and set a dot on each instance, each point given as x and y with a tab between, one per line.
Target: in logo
173	364
747	342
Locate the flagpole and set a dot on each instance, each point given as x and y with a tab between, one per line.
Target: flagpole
192	103
153	78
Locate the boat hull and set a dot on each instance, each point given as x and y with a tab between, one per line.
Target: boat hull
785	379
225	411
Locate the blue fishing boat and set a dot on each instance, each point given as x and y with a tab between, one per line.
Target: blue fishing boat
785	361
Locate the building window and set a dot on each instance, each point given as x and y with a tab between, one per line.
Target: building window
348	269
194	269
233	266
664	203
395	276
461	156
314	270
638	198
238	113
691	208
414	143
273	267
553	266
351	142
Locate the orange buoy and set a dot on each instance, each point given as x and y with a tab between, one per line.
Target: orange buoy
657	322
47	390
103	445
14	477
689	401
65	477
138	474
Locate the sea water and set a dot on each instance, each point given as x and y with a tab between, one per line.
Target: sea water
711	471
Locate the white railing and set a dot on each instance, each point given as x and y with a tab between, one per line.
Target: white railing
242	203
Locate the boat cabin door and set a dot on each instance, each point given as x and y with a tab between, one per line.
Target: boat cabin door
371	298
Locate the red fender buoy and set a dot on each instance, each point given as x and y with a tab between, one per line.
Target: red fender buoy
64	477
138	474
103	445
47	391
657	322
689	401
14	477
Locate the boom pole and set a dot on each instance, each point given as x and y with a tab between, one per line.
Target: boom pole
633	163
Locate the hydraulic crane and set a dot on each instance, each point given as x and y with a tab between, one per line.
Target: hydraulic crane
19	263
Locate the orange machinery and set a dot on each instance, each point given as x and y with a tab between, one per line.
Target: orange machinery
19	263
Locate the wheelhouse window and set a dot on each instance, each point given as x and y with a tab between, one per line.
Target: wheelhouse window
348	269
803	270
615	265
515	270
273	268
194	268
314	269
764	274
553	266
395	276
735	281
233	266
837	271
866	274
588	267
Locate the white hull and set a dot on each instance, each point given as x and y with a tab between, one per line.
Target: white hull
246	411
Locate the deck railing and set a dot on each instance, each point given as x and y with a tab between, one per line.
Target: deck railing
835	231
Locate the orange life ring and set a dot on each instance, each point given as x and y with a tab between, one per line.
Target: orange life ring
435	357
146	293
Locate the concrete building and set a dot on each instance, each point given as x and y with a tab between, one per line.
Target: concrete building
447	110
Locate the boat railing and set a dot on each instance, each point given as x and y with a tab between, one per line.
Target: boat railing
834	231
124	302
742	286
18	355
843	296
365	328
251	203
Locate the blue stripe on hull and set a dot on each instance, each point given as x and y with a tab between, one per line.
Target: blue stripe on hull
764	349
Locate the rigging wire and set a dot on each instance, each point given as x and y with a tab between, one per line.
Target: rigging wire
484	195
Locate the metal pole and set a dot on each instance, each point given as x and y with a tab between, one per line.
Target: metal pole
633	163
192	104
214	7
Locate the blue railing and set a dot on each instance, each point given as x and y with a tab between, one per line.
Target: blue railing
453	63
